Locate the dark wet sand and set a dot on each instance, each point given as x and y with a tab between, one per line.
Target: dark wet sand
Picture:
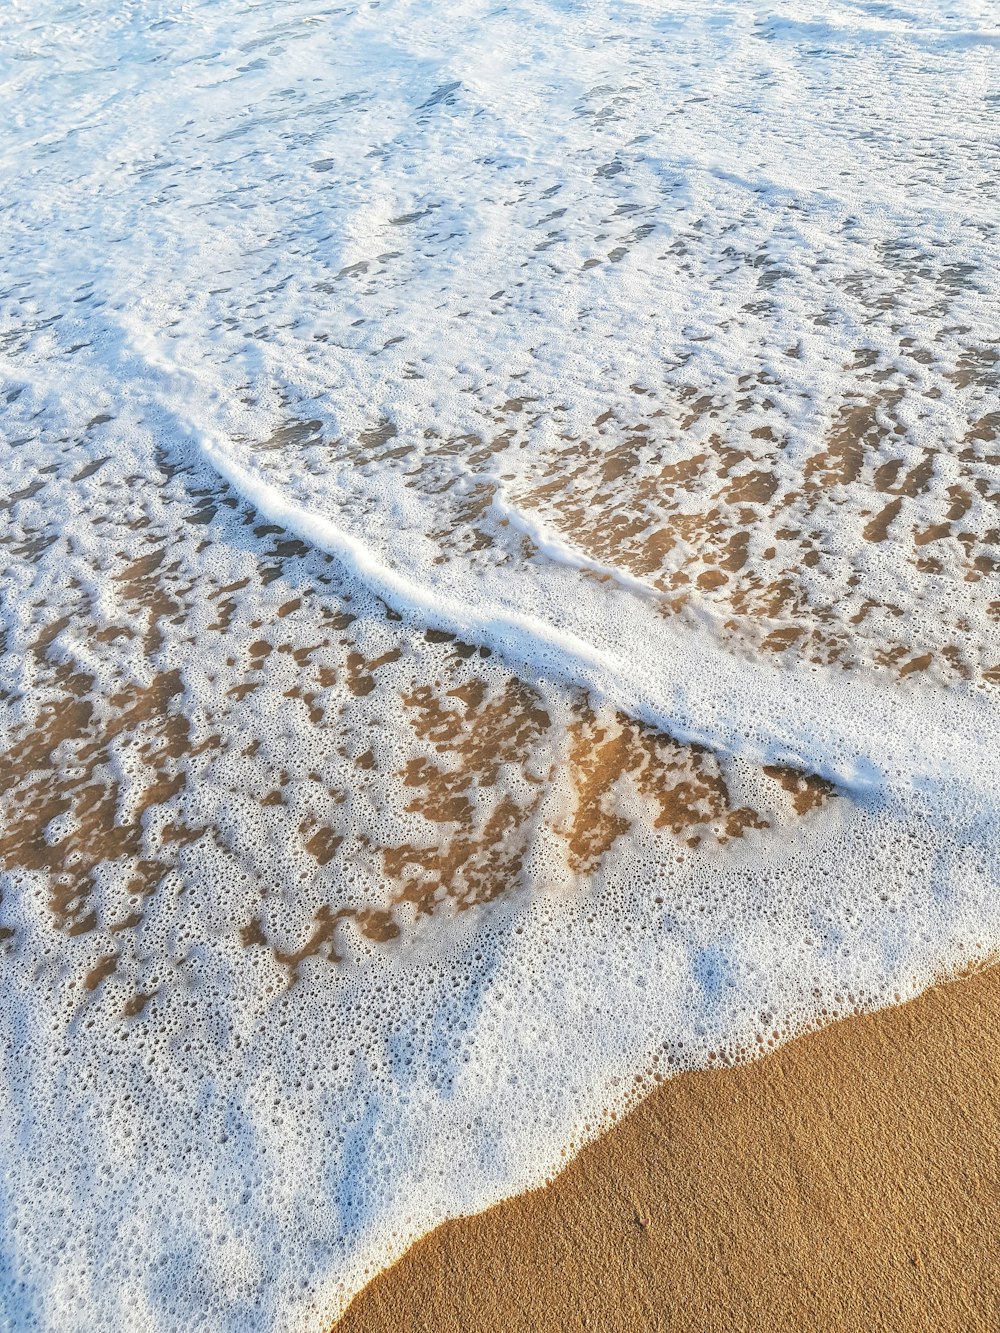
851	1181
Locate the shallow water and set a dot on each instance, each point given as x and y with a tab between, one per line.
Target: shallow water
500	597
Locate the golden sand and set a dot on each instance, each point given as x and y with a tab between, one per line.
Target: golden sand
848	1182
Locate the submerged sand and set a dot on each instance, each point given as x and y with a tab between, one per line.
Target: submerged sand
849	1181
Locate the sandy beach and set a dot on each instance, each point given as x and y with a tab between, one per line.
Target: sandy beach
848	1181
499	667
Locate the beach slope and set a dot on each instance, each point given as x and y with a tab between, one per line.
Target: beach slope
850	1181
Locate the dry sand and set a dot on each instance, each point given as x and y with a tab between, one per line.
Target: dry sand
850	1181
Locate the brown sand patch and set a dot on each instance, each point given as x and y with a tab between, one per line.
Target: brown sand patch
849	1182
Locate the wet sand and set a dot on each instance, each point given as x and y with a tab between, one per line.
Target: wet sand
849	1181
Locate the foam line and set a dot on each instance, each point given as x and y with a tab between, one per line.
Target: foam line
787	718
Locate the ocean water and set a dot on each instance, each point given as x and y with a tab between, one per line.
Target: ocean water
500	599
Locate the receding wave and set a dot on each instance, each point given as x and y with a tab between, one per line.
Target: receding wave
500	543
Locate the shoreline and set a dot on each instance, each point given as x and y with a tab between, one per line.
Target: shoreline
847	1181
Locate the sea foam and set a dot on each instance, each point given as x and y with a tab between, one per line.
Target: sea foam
499	592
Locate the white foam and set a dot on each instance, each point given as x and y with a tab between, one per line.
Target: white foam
859	735
476	302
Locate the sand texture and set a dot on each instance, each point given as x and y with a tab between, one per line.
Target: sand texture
850	1181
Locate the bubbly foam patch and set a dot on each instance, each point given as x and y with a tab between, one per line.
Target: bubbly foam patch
499	596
